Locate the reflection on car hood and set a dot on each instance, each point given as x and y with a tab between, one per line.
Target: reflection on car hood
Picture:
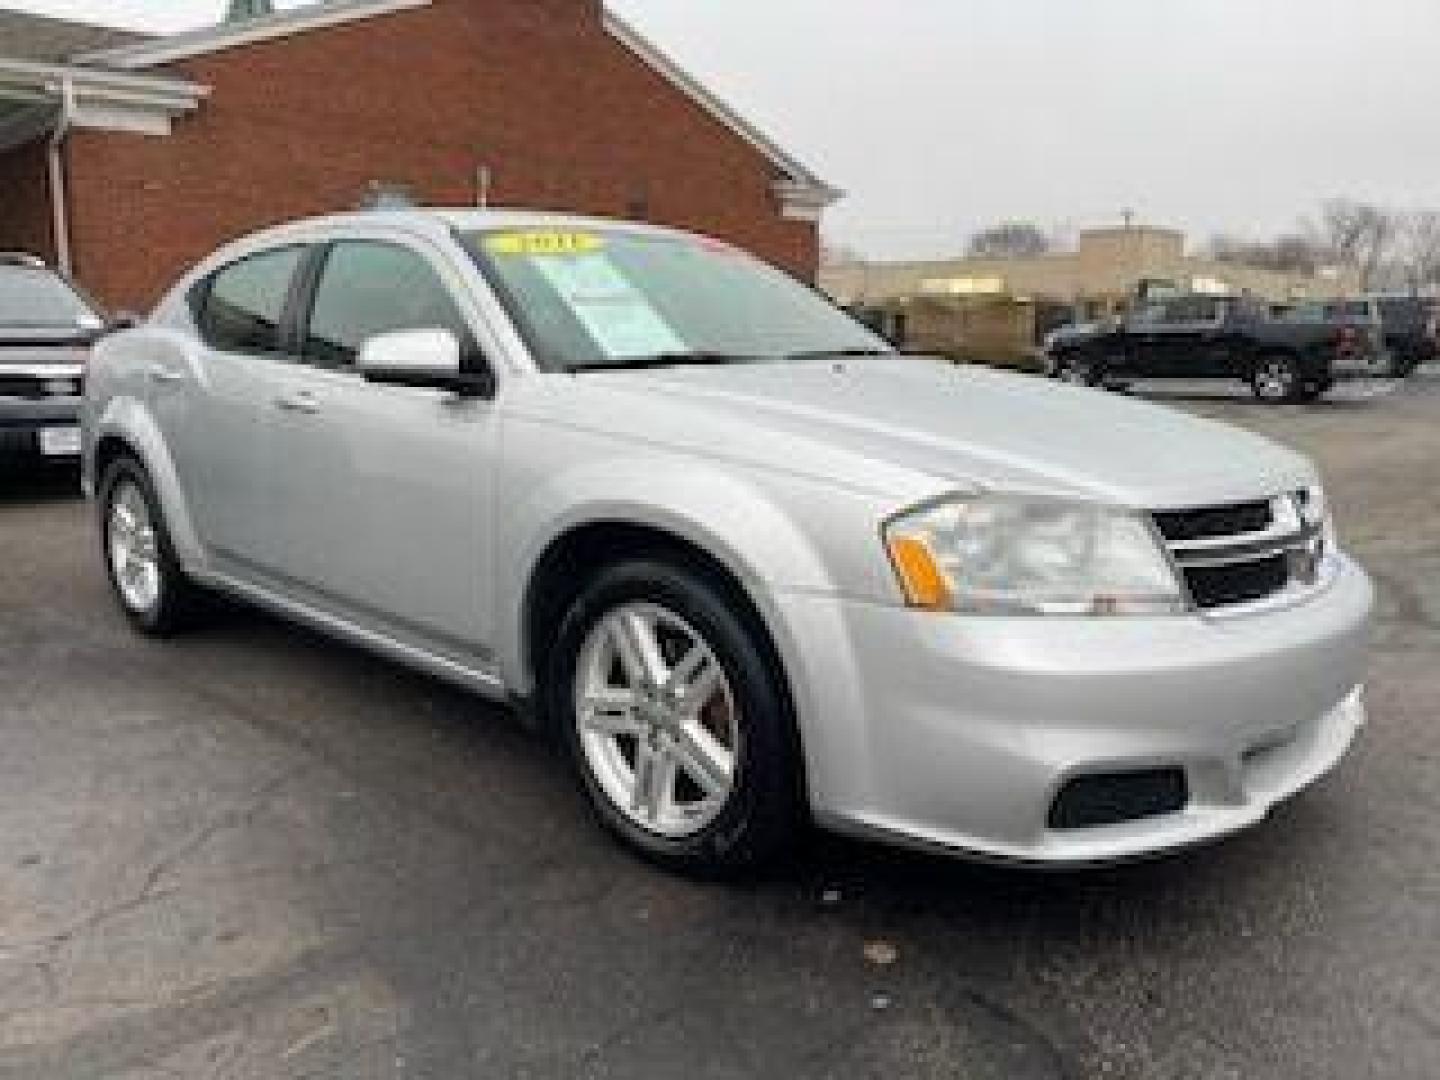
959	426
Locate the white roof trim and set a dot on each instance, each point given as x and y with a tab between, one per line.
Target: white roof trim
176	47
798	175
44	82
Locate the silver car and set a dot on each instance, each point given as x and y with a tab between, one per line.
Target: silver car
754	568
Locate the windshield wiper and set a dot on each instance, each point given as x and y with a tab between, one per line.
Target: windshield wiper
827	354
666	360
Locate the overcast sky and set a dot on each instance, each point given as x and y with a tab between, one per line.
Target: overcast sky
940	116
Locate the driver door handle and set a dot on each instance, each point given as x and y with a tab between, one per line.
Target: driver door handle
159	373
302	401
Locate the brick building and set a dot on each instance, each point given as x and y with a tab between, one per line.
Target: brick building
128	158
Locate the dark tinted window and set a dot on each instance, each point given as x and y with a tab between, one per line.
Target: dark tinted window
1309	312
1190	309
1150	315
243	306
1355	311
368	288
33	297
1403	313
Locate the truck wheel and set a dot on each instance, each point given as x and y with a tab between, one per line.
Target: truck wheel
140	560
675	721
1277	379
1077	371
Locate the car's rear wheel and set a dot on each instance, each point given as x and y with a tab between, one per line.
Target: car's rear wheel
1277	379
675	720
140	560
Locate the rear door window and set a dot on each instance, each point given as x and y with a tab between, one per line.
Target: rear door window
242	310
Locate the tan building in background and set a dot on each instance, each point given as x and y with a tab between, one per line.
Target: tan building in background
998	308
1107	266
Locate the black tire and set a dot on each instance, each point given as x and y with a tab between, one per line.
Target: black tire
1277	379
1405	365
1078	370
762	815
179	600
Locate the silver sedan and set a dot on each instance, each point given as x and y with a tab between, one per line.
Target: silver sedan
752	566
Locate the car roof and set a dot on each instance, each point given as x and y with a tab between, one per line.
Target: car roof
435	222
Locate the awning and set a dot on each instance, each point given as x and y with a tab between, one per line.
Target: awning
33	96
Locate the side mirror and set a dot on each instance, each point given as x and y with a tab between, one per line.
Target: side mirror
428	359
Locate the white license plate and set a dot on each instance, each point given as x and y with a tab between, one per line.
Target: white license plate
60	441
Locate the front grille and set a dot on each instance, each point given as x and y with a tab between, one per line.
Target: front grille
1242	553
1178	526
33	386
21	386
1237	583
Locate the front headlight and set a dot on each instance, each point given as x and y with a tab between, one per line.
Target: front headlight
1006	555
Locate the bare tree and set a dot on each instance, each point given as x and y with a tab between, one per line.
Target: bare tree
1357	234
1287	254
1010	240
1417	249
834	253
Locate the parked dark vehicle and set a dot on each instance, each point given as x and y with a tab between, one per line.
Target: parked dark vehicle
46	330
1412	331
1221	337
1353	318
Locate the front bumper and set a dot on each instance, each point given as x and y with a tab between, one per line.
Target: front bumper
23	419
1367	365
959	733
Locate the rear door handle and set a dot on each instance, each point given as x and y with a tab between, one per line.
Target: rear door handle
301	401
158	373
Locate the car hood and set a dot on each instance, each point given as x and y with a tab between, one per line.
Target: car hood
957	426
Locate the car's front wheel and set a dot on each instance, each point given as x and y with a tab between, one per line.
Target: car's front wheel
140	559
1077	369
676	720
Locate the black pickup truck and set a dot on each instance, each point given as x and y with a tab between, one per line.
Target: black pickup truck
1214	337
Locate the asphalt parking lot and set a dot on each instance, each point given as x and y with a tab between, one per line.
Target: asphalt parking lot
253	853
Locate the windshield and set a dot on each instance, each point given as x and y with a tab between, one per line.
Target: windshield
612	299
1349	311
31	297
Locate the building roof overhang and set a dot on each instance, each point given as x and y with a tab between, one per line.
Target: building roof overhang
33	94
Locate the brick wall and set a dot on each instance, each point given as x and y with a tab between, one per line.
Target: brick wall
25	201
562	114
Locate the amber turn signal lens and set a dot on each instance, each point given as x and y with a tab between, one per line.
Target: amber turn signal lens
920	576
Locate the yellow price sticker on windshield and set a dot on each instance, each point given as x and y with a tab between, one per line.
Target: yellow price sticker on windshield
544	243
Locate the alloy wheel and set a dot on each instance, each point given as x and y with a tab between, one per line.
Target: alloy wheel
133	548
657	720
1275	381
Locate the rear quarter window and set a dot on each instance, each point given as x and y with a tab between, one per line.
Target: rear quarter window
241	307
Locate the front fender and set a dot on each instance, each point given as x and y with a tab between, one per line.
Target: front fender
736	522
127	419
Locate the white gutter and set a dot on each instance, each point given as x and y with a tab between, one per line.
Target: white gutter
59	193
